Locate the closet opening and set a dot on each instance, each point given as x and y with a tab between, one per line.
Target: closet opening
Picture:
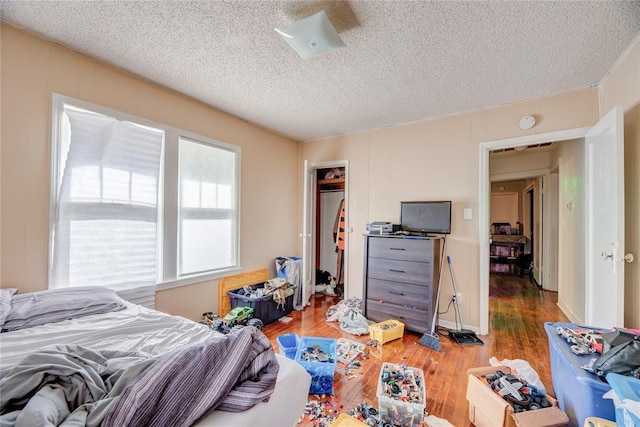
330	231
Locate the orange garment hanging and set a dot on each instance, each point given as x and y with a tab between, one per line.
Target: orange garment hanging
341	226
339	229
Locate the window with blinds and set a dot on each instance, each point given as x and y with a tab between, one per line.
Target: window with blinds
135	203
207	201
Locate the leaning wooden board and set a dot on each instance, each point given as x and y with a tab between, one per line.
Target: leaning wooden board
237	281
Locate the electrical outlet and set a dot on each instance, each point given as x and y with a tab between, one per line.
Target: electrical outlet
458	297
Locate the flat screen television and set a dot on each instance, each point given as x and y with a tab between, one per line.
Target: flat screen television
426	217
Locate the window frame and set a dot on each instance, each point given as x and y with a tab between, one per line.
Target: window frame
168	198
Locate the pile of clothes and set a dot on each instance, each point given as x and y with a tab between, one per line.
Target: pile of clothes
278	287
350	316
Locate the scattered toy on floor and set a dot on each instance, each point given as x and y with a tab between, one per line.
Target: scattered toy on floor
520	395
367	414
208	318
236	319
322	412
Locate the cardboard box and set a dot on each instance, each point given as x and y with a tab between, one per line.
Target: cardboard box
488	409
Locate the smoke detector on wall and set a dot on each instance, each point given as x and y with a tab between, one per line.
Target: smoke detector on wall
527	122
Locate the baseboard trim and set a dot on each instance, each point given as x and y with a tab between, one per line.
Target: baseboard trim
573	318
452	326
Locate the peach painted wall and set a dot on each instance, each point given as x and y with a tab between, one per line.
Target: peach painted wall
502	187
32	69
438	160
621	86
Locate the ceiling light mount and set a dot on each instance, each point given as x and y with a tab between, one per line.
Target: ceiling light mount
312	36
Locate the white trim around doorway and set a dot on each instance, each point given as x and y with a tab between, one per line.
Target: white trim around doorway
310	211
484	194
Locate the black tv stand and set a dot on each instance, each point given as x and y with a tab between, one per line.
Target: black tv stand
421	234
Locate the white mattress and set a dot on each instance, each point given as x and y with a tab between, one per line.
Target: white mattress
142	329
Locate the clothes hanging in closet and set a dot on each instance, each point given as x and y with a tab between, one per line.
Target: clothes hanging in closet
339	230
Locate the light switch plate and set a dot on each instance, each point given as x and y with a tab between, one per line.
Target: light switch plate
467	213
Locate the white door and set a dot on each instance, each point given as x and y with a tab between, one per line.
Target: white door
604	294
552	227
308	212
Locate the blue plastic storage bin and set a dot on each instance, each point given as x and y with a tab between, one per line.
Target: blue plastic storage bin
321	372
625	388
288	345
579	392
264	308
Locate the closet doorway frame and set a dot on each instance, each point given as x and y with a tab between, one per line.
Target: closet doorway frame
310	213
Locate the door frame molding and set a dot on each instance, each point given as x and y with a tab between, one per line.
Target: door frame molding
310	212
485	194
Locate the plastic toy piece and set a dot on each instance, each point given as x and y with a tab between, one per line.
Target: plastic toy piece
581	349
509	388
237	315
521	396
236	319
582	337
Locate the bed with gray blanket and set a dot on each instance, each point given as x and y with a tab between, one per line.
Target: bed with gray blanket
132	366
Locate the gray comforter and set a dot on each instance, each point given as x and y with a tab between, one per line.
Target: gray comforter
74	386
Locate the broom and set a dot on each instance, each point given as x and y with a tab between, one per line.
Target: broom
431	339
460	335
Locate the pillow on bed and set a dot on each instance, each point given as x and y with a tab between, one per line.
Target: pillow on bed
56	305
5	303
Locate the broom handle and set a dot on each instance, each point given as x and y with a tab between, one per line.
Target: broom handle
435	311
455	292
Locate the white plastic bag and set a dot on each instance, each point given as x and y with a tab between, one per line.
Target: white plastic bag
631	406
522	369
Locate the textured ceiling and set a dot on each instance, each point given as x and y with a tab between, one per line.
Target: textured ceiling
405	60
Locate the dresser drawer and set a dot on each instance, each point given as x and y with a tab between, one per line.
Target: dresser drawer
414	319
418	273
399	293
401	249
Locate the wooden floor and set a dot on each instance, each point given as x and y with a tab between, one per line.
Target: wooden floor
518	310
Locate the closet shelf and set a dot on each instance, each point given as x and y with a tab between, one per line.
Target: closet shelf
331	184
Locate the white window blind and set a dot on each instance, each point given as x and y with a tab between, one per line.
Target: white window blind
137	204
106	218
207	208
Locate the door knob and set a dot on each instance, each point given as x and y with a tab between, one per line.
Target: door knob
628	257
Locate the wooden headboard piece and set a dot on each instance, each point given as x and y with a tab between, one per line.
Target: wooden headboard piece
237	281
